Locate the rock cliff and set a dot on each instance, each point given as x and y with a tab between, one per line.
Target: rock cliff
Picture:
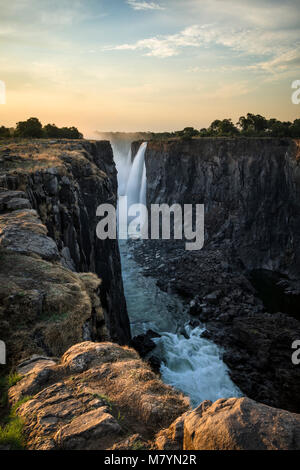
49	193
250	189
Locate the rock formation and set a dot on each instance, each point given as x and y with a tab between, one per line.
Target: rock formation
99	396
250	188
233	424
102	396
49	193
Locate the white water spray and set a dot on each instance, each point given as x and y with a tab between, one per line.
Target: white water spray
136	186
193	365
123	164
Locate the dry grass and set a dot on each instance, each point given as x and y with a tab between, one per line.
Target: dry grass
139	394
46	305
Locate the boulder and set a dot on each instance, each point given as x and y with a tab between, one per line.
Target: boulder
240	424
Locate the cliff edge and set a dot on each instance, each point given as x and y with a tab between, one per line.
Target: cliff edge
60	284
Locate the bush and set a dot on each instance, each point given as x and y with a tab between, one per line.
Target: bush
4	132
53	132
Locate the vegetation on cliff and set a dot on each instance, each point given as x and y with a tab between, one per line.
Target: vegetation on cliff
33	129
252	125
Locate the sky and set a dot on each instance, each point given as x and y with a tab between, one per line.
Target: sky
135	65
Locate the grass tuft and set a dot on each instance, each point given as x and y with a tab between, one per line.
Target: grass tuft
11	433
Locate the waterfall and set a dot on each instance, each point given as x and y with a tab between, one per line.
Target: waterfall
123	164
136	185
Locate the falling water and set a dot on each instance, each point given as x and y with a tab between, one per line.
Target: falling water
136	186
123	164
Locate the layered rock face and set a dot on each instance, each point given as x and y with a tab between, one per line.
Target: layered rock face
50	191
250	189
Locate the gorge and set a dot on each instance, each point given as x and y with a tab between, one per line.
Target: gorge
70	304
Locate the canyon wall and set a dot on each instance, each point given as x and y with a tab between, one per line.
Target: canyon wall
250	188
50	191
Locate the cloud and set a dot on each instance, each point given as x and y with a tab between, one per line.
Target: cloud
247	41
263	50
136	5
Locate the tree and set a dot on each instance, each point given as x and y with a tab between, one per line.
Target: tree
223	128
295	128
51	131
4	132
214	127
279	129
253	124
204	132
32	128
70	133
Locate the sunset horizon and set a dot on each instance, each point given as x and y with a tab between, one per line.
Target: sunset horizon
147	66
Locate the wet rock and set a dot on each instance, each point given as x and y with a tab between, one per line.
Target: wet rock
143	344
195	324
195	308
155	363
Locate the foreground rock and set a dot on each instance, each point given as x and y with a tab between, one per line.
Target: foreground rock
233	424
99	396
103	396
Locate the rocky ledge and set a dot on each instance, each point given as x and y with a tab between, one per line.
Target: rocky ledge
102	396
99	396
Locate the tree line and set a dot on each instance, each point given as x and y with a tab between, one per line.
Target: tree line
252	125
33	129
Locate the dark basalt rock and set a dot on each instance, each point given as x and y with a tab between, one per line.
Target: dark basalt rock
250	188
154	363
